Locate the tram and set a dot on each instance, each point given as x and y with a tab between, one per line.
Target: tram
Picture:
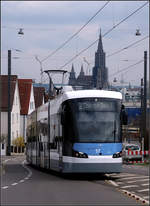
77	132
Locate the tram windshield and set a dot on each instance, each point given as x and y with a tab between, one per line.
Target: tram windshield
95	120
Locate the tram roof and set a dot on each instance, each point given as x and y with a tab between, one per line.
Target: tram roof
91	93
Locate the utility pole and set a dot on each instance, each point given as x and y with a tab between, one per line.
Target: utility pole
141	121
145	102
149	109
9	105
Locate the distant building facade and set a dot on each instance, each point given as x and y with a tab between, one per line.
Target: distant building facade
99	77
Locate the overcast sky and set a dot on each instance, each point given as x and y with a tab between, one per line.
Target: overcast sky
48	24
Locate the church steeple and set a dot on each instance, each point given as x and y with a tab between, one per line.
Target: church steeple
72	73
72	77
100	72
100	45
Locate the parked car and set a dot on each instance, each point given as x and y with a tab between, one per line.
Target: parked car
128	155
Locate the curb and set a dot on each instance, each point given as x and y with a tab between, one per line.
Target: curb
136	197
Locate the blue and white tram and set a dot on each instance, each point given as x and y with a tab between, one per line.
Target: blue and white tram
77	132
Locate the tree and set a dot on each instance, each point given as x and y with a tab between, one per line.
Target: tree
19	143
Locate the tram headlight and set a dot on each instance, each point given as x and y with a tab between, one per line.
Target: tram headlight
117	154
79	154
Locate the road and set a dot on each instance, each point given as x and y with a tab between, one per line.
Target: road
22	184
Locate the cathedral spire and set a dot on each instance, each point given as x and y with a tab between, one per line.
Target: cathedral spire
100	45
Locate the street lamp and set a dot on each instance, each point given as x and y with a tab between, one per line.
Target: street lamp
20	32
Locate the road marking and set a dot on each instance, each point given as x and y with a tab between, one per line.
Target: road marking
15	183
145	190
128	186
113	183
21	180
5	187
126	175
137	180
147	184
120	175
136	177
146	197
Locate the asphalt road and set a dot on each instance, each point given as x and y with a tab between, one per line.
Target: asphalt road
22	184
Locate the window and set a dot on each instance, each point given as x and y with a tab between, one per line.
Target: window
2	146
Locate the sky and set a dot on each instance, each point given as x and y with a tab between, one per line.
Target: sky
48	24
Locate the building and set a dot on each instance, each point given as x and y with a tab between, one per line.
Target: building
99	77
27	103
100	72
39	96
15	108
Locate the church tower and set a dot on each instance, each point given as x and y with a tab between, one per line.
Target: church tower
72	77
100	72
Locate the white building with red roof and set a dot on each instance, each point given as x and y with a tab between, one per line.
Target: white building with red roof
15	110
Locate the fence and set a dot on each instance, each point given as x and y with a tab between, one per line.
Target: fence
133	157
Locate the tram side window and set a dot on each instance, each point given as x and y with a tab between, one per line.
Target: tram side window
67	122
67	130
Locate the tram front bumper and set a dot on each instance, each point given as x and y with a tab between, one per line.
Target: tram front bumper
92	165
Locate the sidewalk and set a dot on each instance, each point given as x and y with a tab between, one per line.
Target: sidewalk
13	155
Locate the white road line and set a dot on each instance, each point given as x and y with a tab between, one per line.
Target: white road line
146	197
21	180
145	184
5	187
142	180
136	177
145	190
125	175
129	186
15	183
113	183
120	175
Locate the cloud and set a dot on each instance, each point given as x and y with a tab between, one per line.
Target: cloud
48	24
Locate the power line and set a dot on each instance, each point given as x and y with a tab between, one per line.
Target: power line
127	47
70	38
103	35
122	70
28	28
